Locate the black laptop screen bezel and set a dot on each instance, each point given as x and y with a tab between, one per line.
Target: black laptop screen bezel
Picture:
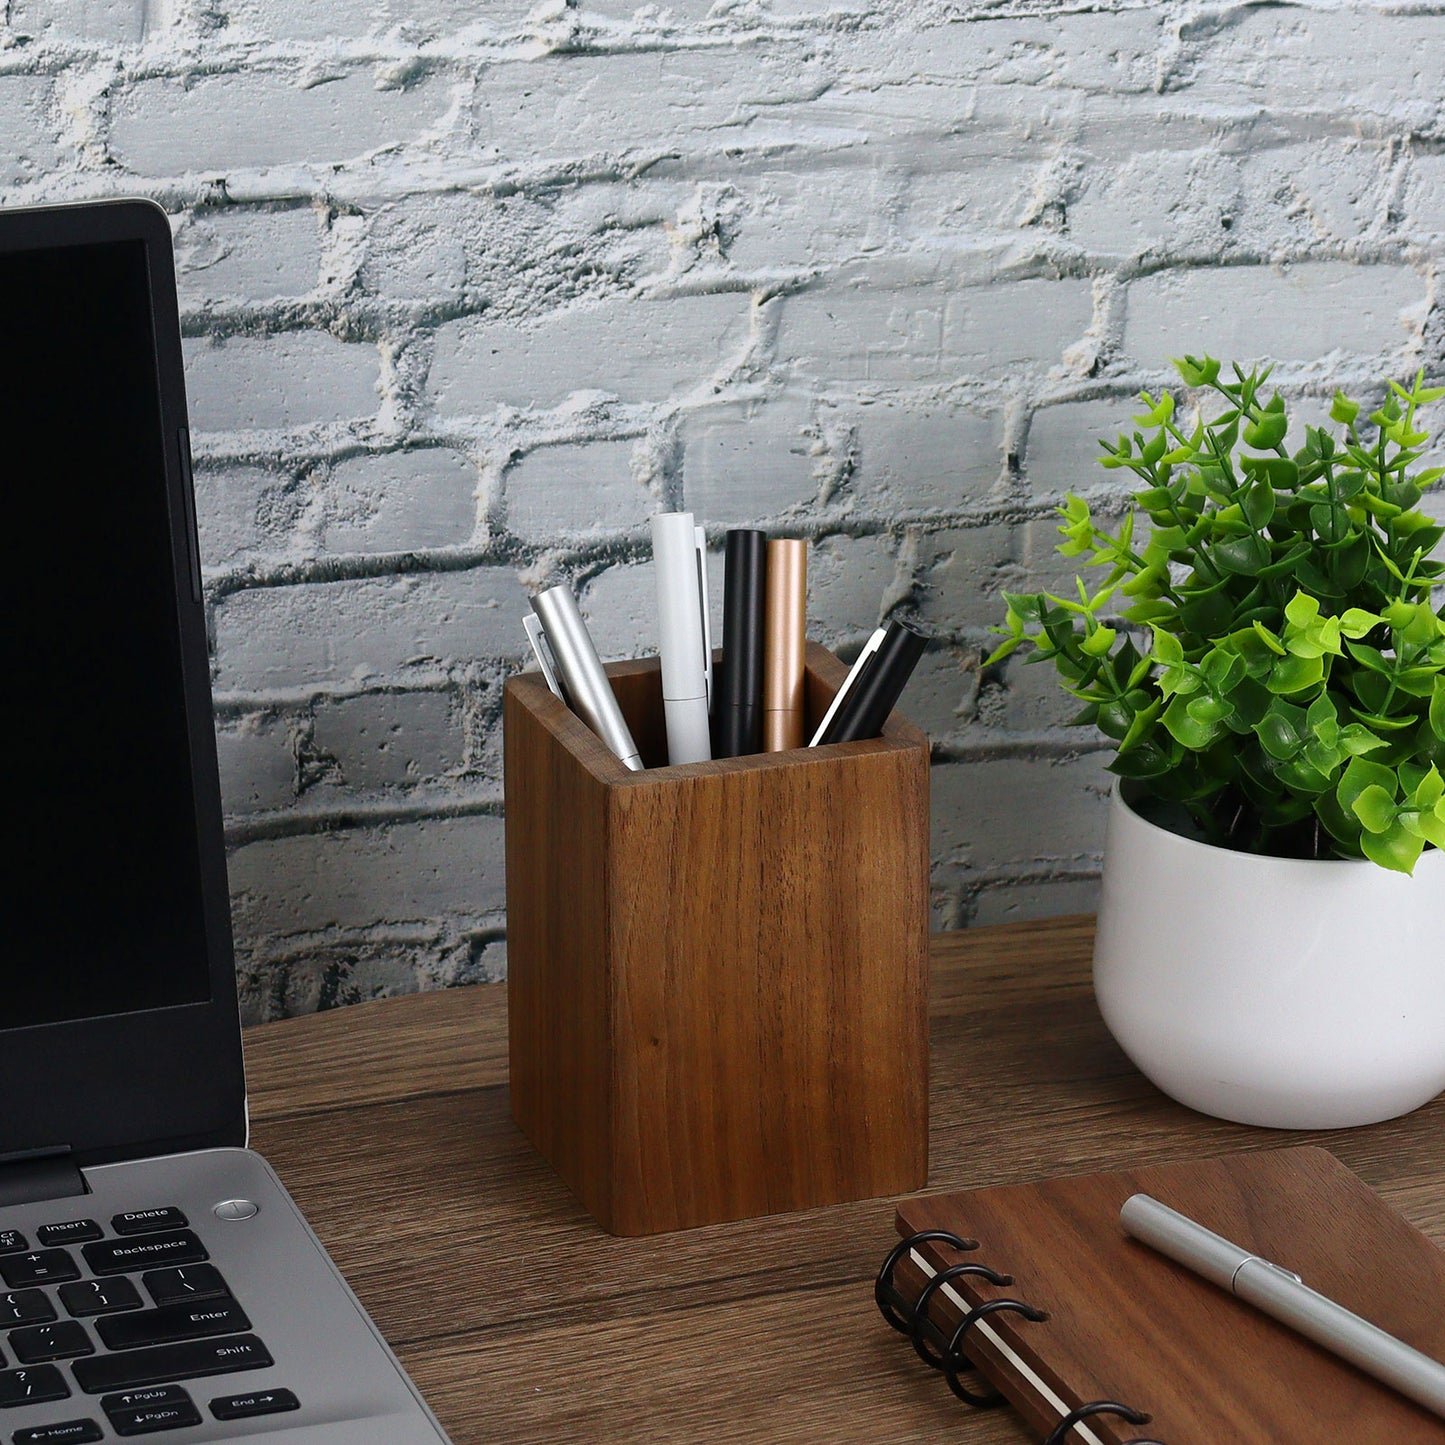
160	1079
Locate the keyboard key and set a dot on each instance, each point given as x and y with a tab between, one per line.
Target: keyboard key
73	1231
25	1307
123	1255
12	1242
145	1417
32	1387
174	1286
221	1316
148	1221
51	1342
45	1266
261	1402
153	1395
99	1297
188	1361
69	1432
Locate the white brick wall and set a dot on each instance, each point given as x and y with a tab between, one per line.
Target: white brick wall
470	289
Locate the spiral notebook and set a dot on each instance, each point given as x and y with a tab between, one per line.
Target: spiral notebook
1099	1330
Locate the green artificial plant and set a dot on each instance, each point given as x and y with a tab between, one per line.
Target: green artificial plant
1270	656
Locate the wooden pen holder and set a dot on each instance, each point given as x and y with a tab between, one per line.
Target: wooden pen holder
717	972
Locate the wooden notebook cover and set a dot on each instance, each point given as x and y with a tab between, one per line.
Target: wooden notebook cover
1127	1324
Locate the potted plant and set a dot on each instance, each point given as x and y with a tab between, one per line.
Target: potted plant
1268	658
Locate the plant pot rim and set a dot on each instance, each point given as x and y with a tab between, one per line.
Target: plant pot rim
1124	786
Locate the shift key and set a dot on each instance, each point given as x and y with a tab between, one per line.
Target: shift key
137	1368
120	1256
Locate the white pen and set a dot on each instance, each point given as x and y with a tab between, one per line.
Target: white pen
1285	1297
683	636
584	685
854	673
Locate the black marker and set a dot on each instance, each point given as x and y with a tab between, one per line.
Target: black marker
738	714
879	686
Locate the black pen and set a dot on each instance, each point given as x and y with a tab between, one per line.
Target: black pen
738	712
878	687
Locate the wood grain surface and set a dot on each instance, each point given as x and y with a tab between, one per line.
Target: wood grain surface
717	972
522	1320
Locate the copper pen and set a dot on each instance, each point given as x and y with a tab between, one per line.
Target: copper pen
785	628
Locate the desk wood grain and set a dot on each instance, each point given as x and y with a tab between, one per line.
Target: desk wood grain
521	1320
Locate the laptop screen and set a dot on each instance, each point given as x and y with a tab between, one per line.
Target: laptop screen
103	903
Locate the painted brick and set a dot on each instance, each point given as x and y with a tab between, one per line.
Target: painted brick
164	127
295	379
113	22
849	579
257	763
28	148
931	332
243	513
405	873
643	350
375	627
987	814
1063	450
1290	313
962	572
927	455
1015	902
422	497
384	740
744	462
562	107
417	252
322	20
562	490
246	255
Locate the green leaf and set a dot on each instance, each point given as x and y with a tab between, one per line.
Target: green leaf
1258	504
1267	432
1437	709
1295	674
1397	849
1187	729
1359	775
1270	640
1375	808
1278	736
1243	556
1196	372
1343	410
1098	642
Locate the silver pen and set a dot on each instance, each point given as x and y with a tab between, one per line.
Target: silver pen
1285	1297
584	685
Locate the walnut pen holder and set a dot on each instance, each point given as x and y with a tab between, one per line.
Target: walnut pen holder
717	972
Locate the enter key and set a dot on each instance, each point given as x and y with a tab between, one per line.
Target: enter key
171	1323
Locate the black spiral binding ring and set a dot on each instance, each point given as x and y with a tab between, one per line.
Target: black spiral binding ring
1098	1407
890	1302
919	1321
955	1360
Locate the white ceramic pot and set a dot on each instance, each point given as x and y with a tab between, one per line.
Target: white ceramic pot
1275	991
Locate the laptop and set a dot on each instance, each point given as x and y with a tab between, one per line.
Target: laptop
155	1277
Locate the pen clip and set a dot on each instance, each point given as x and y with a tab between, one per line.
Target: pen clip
537	636
854	673
700	542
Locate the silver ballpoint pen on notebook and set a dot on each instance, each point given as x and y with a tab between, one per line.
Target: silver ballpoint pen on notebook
1285	1297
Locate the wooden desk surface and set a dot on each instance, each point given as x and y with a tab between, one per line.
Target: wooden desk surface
522	1321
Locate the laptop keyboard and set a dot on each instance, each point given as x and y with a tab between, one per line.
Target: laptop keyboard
127	1314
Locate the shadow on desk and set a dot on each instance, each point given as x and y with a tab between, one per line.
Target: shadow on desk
522	1321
